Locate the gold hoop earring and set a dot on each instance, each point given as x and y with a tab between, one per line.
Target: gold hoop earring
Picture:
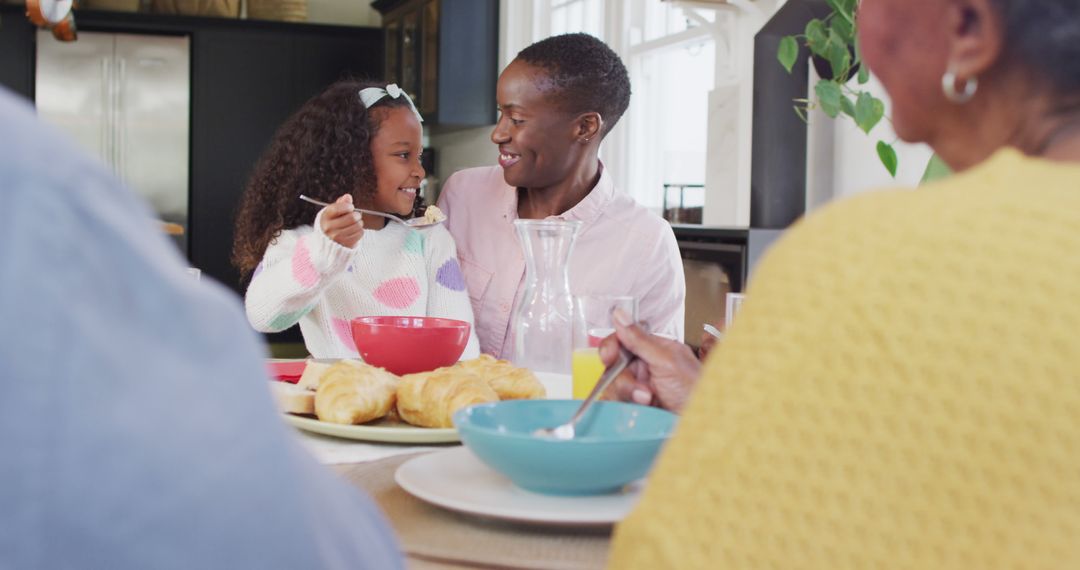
948	86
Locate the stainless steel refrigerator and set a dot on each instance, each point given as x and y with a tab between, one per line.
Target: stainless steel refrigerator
126	99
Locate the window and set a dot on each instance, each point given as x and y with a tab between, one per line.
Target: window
671	53
567	16
671	60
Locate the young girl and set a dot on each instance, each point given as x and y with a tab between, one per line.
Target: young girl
354	144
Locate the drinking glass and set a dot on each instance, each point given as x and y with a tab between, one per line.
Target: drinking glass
592	324
731	307
543	322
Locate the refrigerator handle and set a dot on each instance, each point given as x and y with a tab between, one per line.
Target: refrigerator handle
106	113
121	121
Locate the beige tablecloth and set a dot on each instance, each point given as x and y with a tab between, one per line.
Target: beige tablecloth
433	537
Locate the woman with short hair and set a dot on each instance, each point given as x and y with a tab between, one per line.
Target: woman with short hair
557	100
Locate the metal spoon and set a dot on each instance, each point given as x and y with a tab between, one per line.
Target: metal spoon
566	431
412	223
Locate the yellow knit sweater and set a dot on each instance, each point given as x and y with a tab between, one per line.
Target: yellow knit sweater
901	390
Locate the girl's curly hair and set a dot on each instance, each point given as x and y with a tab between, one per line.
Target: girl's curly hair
323	151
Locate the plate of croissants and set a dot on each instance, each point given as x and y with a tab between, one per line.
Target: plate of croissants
354	400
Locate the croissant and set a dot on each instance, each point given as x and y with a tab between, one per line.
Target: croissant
292	399
429	399
508	381
313	371
352	392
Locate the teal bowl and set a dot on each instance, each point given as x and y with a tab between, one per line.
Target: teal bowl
616	443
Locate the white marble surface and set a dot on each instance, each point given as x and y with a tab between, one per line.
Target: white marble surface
332	450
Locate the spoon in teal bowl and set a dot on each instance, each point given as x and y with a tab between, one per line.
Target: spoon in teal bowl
567	431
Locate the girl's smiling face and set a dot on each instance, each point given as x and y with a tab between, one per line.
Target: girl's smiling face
396	150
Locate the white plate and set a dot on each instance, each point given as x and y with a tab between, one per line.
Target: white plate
455	479
558	387
382	431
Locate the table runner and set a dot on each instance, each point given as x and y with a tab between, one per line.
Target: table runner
431	533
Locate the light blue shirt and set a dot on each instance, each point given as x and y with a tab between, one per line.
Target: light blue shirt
136	427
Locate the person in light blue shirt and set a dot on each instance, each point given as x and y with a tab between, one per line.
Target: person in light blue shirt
136	427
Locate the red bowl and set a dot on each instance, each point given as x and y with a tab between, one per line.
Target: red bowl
406	345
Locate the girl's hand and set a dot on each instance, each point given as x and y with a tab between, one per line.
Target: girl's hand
663	375
340	223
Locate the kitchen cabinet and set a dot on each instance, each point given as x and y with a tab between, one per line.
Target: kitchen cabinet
247	83
16	51
125	99
717	260
247	77
444	54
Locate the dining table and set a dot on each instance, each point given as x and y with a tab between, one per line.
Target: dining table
432	537
435	538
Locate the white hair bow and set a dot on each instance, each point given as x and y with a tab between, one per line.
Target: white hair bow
371	95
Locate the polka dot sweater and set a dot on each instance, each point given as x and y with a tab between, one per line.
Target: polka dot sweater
901	390
307	278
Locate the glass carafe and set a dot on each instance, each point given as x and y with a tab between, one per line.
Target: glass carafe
543	319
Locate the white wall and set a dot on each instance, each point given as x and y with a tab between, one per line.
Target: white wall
730	116
723	196
465	148
842	160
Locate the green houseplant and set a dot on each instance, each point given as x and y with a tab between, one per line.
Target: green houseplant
833	45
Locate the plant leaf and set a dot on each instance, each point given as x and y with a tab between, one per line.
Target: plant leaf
839	56
829	96
845	8
788	52
847	107
936	169
864	72
816	37
801	112
843	28
868	111
887	154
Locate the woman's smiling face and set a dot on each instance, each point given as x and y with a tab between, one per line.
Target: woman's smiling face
536	138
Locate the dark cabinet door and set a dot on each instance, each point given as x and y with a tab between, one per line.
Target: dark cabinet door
16	51
246	79
320	59
468	62
241	93
444	54
244	86
429	59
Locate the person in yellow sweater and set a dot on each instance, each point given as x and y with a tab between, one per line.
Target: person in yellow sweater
902	386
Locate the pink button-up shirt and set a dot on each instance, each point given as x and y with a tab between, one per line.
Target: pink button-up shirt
621	249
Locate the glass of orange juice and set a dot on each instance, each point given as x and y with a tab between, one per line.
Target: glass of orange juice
592	324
